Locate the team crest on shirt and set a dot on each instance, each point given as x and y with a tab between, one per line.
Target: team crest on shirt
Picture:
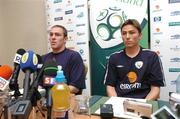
138	64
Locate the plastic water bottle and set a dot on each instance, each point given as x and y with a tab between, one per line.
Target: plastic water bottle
178	84
60	93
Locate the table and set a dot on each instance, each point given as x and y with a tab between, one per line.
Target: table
117	105
36	113
94	104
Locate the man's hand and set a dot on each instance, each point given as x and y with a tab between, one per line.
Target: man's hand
154	93
111	92
73	89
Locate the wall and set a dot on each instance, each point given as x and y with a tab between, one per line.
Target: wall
0	29
22	25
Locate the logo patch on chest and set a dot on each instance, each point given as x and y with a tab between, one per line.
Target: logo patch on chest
139	64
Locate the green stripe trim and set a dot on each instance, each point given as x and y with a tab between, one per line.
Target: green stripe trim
51	68
96	106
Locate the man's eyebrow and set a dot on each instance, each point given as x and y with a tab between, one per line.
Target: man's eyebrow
53	32
128	30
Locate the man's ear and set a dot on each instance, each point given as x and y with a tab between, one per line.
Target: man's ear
65	39
140	36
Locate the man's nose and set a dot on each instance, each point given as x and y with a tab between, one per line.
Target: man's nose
127	35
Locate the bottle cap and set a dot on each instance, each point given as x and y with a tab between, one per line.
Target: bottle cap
60	75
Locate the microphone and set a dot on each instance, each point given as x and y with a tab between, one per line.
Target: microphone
40	62
39	66
13	85
5	74
28	64
33	93
50	71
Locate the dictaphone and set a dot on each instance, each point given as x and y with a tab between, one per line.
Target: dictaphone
136	108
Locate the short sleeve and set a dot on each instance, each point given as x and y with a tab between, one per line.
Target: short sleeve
110	74
156	74
77	73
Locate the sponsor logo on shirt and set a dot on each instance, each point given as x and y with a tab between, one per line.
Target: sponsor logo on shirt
130	86
132	77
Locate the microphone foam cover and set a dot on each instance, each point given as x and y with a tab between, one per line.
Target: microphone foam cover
39	59
20	51
50	68
18	56
29	61
5	71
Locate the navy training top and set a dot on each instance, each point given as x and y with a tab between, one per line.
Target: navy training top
72	65
133	77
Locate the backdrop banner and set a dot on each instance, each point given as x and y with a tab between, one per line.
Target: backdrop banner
165	40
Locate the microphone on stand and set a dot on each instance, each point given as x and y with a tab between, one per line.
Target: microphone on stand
33	93
39	66
5	74
50	71
28	64
23	107
13	84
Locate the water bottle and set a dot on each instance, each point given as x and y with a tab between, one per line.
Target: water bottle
60	93
178	84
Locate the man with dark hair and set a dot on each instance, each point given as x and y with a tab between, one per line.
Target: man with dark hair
134	72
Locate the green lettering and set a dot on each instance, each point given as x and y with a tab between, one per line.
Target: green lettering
139	2
132	2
